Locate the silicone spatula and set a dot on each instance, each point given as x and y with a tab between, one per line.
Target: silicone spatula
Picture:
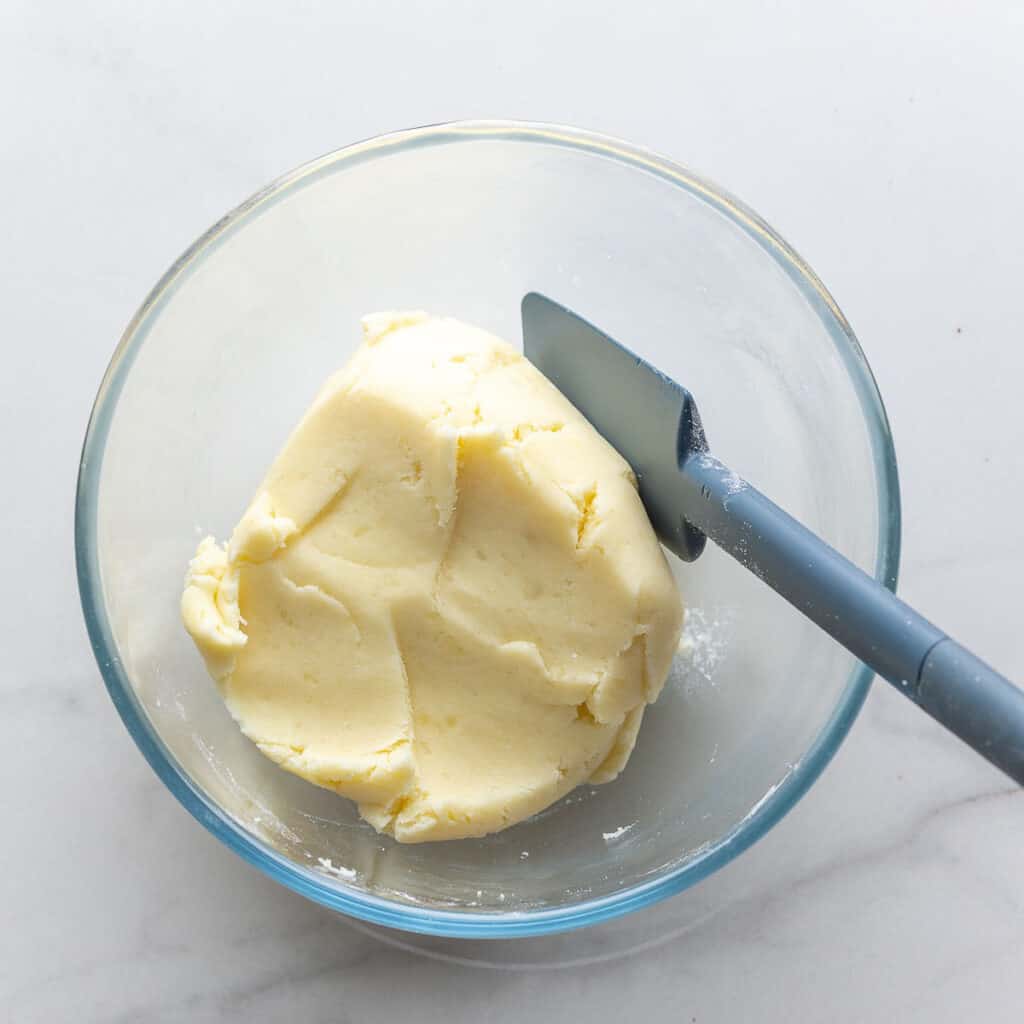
691	496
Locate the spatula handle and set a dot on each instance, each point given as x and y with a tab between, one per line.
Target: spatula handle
956	688
974	701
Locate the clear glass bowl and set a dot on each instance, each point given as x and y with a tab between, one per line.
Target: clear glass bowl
463	219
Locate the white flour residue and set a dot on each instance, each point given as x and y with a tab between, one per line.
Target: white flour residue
617	833
732	481
326	866
704	645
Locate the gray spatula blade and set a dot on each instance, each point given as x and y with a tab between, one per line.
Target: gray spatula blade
596	373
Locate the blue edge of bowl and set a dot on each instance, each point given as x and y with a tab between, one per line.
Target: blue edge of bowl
362	905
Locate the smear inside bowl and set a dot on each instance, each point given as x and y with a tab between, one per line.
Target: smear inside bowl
229	349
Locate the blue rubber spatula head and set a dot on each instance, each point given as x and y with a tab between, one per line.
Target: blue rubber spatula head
691	496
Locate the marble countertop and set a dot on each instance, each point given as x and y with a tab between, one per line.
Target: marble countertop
883	140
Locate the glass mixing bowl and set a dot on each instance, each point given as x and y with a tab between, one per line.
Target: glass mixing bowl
463	219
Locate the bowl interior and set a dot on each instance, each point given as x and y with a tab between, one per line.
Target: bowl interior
230	349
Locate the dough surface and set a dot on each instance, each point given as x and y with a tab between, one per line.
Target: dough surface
446	601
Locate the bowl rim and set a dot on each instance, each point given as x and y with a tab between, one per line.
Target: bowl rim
781	796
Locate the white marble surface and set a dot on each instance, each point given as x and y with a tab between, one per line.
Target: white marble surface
882	139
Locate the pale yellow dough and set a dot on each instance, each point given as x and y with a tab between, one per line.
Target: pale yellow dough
446	601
